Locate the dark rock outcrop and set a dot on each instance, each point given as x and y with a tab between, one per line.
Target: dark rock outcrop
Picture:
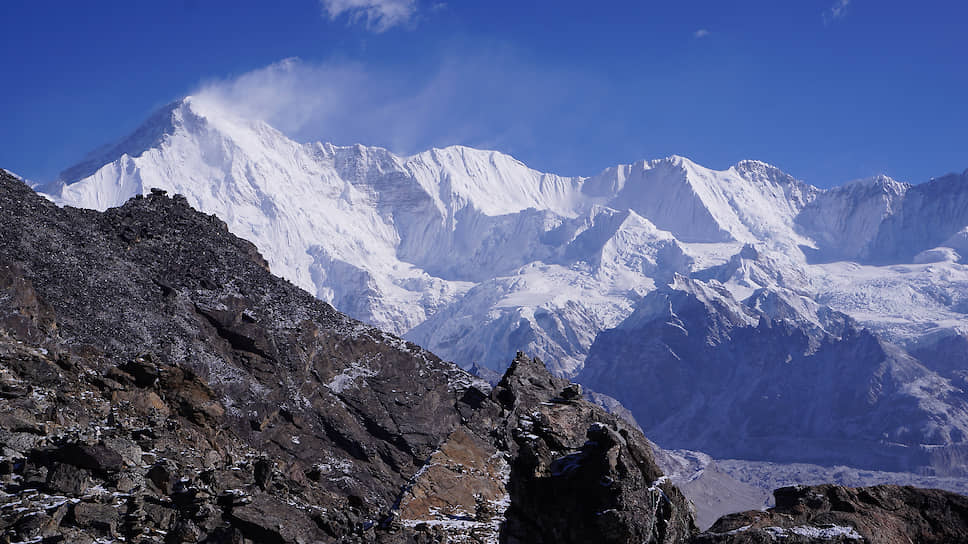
883	514
579	474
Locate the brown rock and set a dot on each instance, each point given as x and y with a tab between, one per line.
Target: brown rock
145	403
96	457
100	517
459	481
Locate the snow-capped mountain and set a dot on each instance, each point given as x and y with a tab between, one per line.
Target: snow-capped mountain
450	237
475	256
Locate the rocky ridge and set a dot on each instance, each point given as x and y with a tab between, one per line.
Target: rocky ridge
474	256
161	385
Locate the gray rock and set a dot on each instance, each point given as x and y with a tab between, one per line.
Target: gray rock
68	480
102	518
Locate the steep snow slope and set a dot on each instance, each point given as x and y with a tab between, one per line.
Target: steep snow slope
900	302
930	214
601	262
845	220
318	229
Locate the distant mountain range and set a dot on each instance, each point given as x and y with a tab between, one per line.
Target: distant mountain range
739	311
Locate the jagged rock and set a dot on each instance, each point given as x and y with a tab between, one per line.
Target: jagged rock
96	457
162	476
534	467
25	315
461	481
262	470
579	473
18	421
143	369
130	453
67	479
159	515
31	525
572	391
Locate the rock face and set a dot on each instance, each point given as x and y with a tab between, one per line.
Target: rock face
170	315
160	385
883	514
569	455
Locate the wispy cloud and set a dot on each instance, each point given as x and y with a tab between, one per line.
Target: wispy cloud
701	33
490	98
836	11
376	15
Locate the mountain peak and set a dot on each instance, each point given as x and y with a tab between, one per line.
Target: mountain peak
676	161
878	182
159	125
759	170
754	163
196	114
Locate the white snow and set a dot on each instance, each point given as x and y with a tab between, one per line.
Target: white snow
829	532
351	376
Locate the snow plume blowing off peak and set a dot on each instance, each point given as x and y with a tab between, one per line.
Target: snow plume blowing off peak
347	103
289	95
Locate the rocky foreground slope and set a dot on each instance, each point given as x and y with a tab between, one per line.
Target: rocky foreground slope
160	385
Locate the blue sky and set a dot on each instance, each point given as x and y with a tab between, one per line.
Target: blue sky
828	90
